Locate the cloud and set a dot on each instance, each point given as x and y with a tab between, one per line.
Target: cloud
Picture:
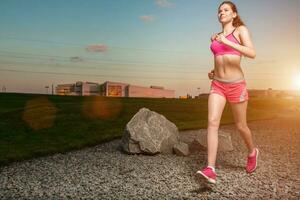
147	18
163	3
96	48
76	59
51	60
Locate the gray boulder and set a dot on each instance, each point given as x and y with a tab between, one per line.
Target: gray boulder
189	137
150	133
224	140
181	149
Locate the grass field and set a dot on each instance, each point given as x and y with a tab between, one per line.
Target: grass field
34	125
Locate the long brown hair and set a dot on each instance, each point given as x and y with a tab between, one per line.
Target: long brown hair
237	21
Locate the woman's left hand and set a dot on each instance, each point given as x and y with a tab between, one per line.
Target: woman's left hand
221	38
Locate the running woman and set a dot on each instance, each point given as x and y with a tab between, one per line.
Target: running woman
228	84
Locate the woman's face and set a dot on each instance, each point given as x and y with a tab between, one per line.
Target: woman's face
225	13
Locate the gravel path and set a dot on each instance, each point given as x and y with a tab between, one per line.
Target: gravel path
104	172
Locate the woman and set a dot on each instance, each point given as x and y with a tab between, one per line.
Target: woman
228	84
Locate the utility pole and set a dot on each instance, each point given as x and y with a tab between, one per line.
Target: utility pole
47	88
199	91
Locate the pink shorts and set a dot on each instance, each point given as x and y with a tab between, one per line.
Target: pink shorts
233	92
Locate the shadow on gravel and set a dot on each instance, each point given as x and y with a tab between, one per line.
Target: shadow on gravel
204	186
201	190
230	166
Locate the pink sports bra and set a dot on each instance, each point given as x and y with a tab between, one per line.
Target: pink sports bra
221	49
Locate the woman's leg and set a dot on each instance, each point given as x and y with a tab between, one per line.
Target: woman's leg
216	104
239	111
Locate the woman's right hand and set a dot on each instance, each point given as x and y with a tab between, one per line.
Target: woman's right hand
213	37
211	74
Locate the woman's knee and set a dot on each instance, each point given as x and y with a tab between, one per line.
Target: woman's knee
213	123
242	127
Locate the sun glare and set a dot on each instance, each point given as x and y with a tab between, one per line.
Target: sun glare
297	82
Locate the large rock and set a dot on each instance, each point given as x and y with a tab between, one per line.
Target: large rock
181	149
197	140
150	133
224	140
189	137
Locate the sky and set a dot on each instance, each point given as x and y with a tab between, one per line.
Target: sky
141	42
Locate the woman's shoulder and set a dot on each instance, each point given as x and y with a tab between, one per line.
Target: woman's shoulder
241	29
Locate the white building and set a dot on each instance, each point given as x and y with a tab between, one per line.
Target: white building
78	89
113	89
116	89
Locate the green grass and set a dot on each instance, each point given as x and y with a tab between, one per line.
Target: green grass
34	125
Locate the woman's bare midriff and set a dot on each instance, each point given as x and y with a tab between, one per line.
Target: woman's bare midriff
227	67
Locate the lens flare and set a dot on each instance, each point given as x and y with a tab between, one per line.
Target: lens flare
39	113
98	107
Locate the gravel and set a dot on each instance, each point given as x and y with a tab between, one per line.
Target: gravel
105	172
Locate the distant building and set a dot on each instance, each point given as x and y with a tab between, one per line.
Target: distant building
86	88
113	89
65	89
116	89
78	89
183	97
202	95
186	97
270	93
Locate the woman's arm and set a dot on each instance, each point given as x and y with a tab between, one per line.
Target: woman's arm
247	48
211	74
213	37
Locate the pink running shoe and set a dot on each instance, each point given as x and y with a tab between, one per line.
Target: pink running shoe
209	174
252	162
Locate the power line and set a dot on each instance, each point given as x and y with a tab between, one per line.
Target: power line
97	75
106	61
97	67
60	66
102	69
114	47
110	76
67	59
